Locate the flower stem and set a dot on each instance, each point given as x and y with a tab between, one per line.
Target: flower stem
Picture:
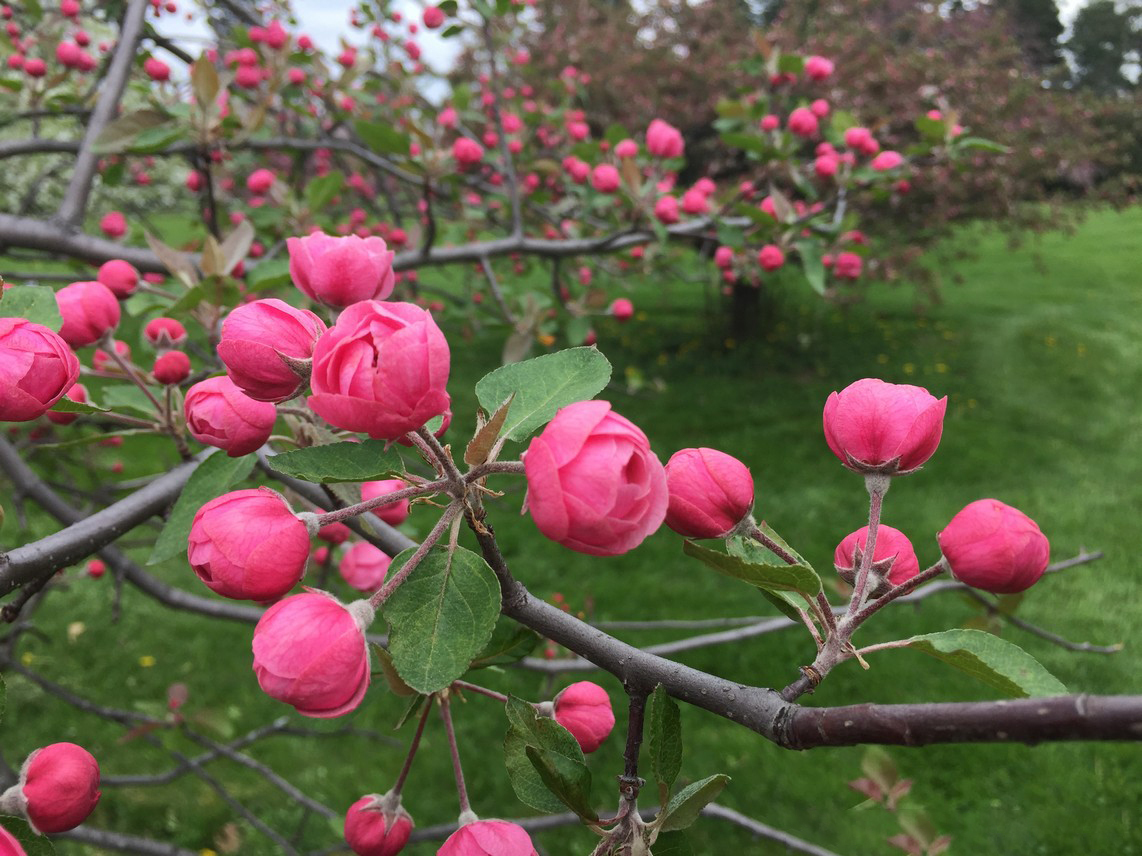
383	593
412	748
461	791
877	487
360	508
484	691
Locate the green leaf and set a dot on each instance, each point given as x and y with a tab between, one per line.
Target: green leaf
664	736
37	303
33	844
214	476
810	253
66	405
841	120
398	686
685	806
992	660
339	462
156	139
539	732
382	137
542	386
673	844
568	780
771	577
121	134
981	143
933	129
441	617
791	64
188	301
510	643
879	766
124	396
269	274
321	190
414	704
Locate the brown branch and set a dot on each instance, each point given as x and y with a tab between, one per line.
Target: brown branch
74	202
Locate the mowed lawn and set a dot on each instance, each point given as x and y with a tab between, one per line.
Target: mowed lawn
1039	350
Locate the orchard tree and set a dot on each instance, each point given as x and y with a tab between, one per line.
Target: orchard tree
1105	38
283	354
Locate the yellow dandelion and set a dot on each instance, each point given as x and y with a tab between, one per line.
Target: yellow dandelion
146	661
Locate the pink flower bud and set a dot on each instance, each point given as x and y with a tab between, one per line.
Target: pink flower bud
394	514
770	257
710	493
96	569
467	153
114	224
724	257
887	160
488	838
35	67
364	566
433	17
878	427
372	828
818	68
335	533
310	652
381	369
258	338
119	276
156	69
992	546
164	332
219	414
622	310
584	709
77	393
248	76
825	166
248	545
663	140
341	271
9	845
770	122
171	368
36	368
605	178
857	138
60	784
594	485
89	310
694	202
847	266
894	557
820	108
666	210
626	149
260	181
802	122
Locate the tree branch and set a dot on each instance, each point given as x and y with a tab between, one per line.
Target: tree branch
74	202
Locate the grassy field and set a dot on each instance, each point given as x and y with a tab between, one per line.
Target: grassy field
1041	360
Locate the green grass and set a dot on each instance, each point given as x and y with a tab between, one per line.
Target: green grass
1041	366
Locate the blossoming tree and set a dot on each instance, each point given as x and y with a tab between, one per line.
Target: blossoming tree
336	390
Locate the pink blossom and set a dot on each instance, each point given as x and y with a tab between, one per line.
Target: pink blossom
381	369
310	652
372	827
992	546
263	344
488	838
89	311
887	160
171	368
847	266
626	149
770	257
584	709
664	140
364	566
467	153
119	276
818	68
802	122
36	369
248	545
666	210
710	493
605	178
219	414
394	513
893	551
594	485
113	224
60	787
878	427
156	69
164	332
341	271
